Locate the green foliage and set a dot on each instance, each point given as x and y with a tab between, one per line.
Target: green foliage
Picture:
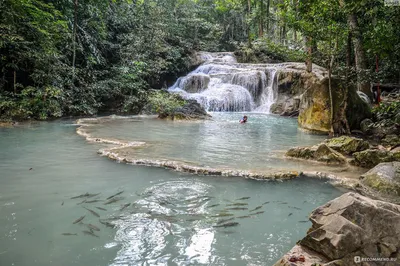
386	111
164	103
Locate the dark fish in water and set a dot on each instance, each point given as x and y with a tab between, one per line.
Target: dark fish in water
62	203
124	206
258	212
227	225
237	209
113	200
93	227
303	221
256	208
228	232
214	205
244	198
246	216
92	212
116	194
237	204
83	201
69	234
290	214
222	215
296	208
283	203
225	220
100	208
86	195
108	224
92	201
79	219
265	203
90	233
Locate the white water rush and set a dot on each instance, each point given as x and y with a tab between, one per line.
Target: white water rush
221	84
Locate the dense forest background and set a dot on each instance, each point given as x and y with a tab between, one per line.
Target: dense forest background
82	57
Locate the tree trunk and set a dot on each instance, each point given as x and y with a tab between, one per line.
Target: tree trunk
308	48
361	63
74	36
15	82
296	12
268	4
248	23
261	26
348	56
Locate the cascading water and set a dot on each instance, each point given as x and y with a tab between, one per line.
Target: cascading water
221	84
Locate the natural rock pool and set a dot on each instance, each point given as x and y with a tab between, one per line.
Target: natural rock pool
173	217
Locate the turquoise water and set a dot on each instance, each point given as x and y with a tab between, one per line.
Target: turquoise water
170	220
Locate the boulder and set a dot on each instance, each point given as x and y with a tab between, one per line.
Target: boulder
372	157
319	153
383	178
192	110
366	126
347	145
347	227
391	140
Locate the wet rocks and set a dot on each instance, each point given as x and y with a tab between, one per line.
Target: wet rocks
383	178
192	110
349	226
320	153
347	145
372	157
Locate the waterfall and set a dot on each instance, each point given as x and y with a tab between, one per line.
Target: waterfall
221	84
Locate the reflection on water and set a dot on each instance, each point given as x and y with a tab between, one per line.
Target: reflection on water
171	219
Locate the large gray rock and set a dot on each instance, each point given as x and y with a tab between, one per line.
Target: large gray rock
372	157
319	153
383	178
192	110
348	226
347	145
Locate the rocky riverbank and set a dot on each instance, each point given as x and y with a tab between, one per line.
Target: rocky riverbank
347	228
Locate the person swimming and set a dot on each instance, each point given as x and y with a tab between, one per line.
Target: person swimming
244	120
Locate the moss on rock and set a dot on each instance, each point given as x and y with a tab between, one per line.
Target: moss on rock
347	145
319	153
370	158
384	178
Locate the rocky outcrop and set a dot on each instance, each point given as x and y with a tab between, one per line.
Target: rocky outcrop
319	153
192	110
372	157
347	228
307	94
347	145
383	179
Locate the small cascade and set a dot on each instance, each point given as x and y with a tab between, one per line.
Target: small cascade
220	84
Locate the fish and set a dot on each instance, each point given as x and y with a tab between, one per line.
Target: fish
246	216
244	198
256	208
86	195
30	168
100	208
258	212
290	214
79	219
108	224
214	205
83	201
296	208
265	203
90	233
113	200
92	212
124	206
225	220
62	203
237	209
303	221
93	227
92	201
283	203
222	215
68	234
116	194
227	224
237	204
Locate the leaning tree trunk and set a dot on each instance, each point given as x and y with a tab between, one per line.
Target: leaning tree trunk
261	26
361	63
268	4
308	48
74	37
248	23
